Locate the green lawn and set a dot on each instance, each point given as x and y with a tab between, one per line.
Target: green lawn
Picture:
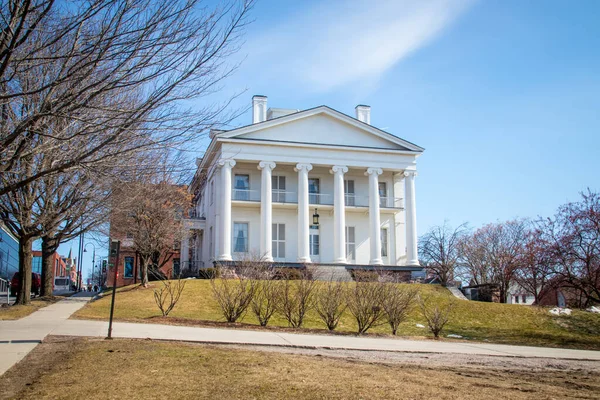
498	323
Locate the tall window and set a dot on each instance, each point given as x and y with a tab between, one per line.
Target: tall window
278	241
349	191
384	242
314	240
240	237
382	194
278	188
313	190
242	187
350	244
212	192
128	269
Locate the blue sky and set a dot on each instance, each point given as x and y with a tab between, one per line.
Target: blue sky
504	95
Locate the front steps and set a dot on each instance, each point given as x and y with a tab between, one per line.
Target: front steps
323	272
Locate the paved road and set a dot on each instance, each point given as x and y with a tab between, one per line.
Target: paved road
17	338
54	320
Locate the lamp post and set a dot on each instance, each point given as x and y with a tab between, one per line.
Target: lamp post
93	258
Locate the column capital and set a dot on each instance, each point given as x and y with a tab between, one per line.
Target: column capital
270	165
338	168
303	166
410	173
373	170
228	162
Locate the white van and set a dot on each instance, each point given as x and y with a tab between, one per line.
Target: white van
62	284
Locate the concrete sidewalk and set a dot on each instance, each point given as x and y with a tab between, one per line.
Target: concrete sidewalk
19	337
238	336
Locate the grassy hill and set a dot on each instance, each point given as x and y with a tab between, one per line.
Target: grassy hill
498	323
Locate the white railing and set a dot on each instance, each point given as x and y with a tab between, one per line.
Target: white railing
245	195
281	196
320	198
391	202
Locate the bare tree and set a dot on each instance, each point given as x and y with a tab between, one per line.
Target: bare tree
364	302
436	314
330	303
491	254
150	213
167	296
534	272
296	298
397	302
117	75
439	249
573	238
91	82
71	203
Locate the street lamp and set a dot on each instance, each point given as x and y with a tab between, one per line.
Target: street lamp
93	258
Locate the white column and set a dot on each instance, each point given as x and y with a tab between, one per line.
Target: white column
339	214
225	200
412	256
184	253
374	218
303	212
266	210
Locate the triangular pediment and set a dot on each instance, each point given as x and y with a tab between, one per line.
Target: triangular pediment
321	126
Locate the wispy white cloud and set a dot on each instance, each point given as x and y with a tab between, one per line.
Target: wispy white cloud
343	42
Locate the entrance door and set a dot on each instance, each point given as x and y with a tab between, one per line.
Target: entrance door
315	243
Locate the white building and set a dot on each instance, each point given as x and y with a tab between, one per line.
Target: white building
259	188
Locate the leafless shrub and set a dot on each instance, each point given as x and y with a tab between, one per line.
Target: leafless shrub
233	295
330	303
397	303
364	302
264	302
435	313
168	295
295	299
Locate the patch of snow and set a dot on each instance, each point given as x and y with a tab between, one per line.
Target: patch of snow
452	335
593	309
420	326
560	311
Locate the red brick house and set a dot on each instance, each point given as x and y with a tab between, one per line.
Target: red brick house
129	266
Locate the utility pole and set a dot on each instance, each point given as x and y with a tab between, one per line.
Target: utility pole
115	247
79	261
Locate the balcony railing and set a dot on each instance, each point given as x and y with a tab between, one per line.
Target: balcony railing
320	198
245	195
390	202
282	196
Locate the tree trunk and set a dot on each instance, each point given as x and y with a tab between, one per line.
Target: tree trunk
25	255
49	246
144	278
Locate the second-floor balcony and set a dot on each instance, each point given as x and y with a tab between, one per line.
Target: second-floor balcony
289	197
